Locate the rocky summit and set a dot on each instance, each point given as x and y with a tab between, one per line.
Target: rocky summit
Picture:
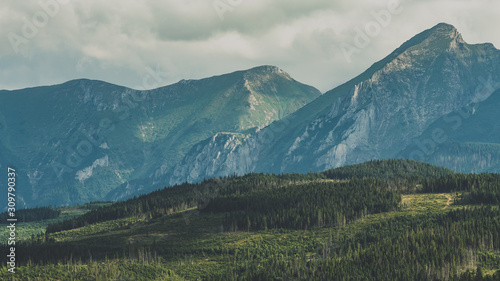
386	112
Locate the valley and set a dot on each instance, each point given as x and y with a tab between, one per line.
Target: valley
422	235
252	175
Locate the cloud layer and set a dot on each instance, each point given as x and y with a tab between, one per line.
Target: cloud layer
120	41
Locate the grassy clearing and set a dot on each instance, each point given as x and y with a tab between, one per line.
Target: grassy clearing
172	230
27	230
193	244
110	270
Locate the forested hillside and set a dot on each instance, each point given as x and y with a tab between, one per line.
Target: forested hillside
96	140
381	220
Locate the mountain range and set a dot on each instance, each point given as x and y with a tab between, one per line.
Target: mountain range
81	140
433	99
380	220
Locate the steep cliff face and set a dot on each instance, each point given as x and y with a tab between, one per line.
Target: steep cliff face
376	115
435	99
381	115
215	156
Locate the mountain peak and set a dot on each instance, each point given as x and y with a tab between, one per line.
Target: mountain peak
267	69
444	27
445	31
442	37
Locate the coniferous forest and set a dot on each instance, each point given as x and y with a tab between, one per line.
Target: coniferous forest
381	220
33	214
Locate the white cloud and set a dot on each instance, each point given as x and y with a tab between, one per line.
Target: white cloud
115	40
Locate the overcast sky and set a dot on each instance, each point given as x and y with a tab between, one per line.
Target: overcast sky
123	41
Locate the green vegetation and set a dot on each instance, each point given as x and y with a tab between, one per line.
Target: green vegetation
482	188
160	127
98	271
38	223
32	214
390	170
304	206
319	226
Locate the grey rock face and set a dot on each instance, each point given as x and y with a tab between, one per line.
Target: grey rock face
376	115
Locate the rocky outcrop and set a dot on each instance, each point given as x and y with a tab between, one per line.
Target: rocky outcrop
89	140
374	116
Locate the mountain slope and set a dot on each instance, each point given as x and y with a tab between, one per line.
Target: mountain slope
284	227
464	140
375	115
80	140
